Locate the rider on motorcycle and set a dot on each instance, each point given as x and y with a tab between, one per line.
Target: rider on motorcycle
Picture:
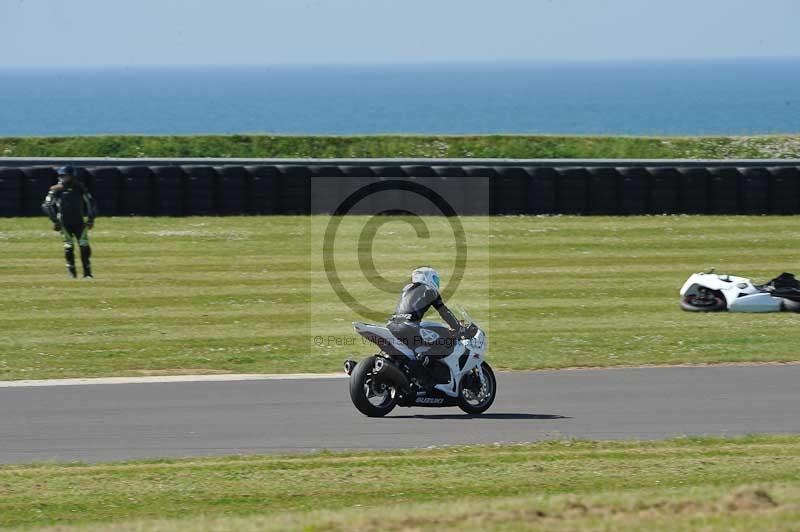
415	299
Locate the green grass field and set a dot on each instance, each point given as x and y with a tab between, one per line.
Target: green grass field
408	146
699	483
246	294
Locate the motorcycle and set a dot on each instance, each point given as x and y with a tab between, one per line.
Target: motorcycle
711	292
453	371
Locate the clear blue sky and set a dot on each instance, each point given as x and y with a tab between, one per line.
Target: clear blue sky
234	32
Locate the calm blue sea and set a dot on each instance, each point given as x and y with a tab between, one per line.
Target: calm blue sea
634	98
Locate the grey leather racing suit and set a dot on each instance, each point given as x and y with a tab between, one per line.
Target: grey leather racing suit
415	300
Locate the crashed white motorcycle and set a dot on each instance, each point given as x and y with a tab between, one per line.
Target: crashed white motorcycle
711	292
454	373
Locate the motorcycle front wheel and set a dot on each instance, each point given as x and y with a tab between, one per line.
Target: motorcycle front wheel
372	398
477	396
713	302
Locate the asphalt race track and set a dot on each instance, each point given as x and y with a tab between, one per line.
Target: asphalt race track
104	422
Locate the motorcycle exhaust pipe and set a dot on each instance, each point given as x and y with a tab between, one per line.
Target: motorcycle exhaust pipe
387	370
349	365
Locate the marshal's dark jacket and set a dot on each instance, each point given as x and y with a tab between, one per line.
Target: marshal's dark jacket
70	204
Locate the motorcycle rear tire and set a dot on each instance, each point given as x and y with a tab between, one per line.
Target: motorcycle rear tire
791	305
361	373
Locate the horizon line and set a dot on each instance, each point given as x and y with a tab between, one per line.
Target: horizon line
435	62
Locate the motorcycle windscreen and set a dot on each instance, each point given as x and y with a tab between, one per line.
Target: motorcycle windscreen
756	303
461	314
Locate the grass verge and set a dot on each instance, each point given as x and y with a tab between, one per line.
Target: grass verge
717	484
409	146
217	295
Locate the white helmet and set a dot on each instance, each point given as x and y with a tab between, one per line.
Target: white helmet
426	276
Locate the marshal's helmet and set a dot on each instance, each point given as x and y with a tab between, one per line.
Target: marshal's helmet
426	276
66	173
66	170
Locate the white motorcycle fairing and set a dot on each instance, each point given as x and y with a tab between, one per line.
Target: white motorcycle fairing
739	292
756	303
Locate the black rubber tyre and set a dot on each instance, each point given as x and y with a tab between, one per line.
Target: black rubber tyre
360	382
689	304
464	405
791	305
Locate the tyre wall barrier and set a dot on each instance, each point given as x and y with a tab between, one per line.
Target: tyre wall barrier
12	199
137	191
180	190
35	184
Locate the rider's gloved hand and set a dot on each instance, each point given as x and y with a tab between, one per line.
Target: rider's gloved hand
469	331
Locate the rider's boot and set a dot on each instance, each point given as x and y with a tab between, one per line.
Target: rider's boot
86	254
69	255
